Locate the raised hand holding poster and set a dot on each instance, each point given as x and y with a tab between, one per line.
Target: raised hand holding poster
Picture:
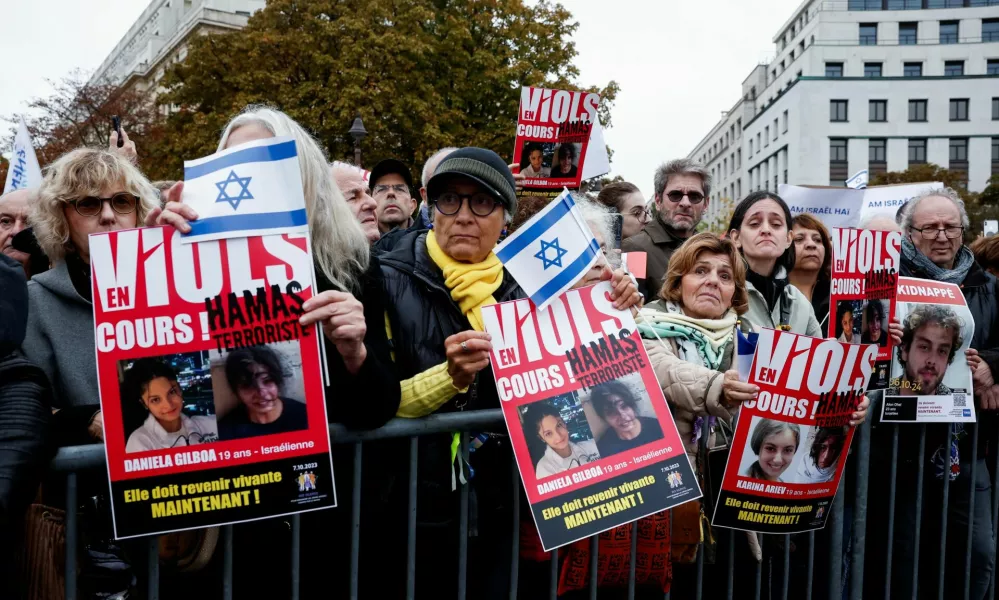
595	443
211	391
791	443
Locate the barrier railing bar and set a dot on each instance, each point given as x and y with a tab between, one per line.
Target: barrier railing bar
759	567
296	548
515	537
594	564
942	565
633	560
919	508
892	485
669	593
414	450
858	544
71	535
810	572
787	567
227	562
152	567
835	527
971	513
699	585
553	584
463	518
355	523
730	584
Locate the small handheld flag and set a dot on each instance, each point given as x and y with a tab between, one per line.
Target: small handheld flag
746	349
551	251
859	180
251	189
23	171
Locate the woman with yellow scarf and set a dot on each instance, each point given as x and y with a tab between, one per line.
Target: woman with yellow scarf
436	283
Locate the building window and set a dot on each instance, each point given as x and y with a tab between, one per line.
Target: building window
868	34
959	158
905	4
775	130
785	174
912	69
877	156
834	69
990	30
917	151
959	109
785	122
838	164
917	111
954	68
766	136
759	146
995	156
908	33
992	66
878	111
864	5
750	147
838	111
872	69
948	32
995	109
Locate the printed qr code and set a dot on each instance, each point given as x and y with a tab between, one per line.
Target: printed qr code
959	400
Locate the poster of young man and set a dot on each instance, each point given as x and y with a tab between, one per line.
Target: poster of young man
862	291
594	440
790	444
211	391
930	378
553	133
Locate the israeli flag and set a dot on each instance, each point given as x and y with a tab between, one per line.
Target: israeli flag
859	180
746	349
22	170
551	251
251	189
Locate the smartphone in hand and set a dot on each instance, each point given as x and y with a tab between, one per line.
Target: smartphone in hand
116	121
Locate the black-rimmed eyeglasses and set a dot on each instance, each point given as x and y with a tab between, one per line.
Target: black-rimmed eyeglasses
481	204
122	203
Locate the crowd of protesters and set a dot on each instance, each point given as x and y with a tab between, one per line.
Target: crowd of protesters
403	274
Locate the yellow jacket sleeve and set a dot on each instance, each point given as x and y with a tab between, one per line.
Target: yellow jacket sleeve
425	392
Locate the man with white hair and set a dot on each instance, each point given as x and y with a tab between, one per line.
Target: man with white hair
681	188
13	219
933	225
350	180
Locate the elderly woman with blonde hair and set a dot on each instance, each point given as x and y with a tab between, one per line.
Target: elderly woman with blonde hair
85	191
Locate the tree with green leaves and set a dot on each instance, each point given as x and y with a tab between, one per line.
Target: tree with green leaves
423	74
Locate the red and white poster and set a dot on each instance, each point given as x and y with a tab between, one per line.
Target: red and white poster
791	443
862	292
553	133
211	392
931	381
594	440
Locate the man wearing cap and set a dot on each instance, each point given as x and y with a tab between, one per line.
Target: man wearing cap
391	186
436	283
423	218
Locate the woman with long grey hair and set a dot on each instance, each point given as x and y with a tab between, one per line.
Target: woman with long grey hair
356	345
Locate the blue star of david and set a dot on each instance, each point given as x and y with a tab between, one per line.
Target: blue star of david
542	254
244	192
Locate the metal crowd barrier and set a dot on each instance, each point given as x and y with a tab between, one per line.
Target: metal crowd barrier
72	460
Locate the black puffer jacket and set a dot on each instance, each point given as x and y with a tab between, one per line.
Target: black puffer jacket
25	410
422	316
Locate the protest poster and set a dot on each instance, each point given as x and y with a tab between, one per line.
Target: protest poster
595	443
791	443
211	392
930	377
553	136
862	292
888	199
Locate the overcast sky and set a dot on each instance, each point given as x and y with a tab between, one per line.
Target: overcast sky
679	64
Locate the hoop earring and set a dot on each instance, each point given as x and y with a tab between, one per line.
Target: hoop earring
503	232
431	226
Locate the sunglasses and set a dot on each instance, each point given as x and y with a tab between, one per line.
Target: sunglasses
481	204
122	203
694	197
